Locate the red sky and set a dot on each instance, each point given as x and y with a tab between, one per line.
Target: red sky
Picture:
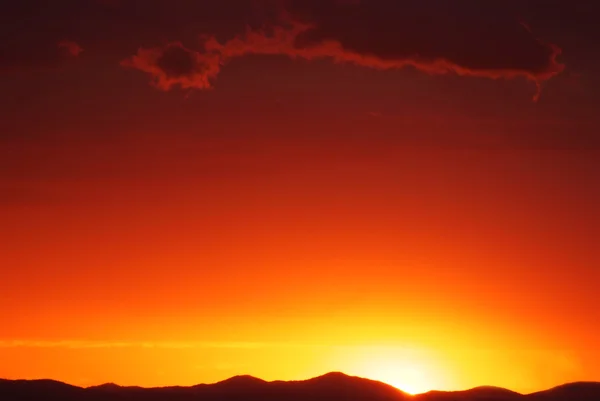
194	190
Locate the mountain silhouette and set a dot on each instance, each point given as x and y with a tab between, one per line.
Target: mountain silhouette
572	391
333	386
487	393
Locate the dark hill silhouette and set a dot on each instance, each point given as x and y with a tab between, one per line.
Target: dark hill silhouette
580	391
329	387
37	389
482	393
240	383
106	387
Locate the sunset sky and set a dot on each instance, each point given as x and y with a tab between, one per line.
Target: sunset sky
404	190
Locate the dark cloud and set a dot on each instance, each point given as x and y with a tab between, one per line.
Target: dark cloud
108	29
470	35
173	64
468	39
471	38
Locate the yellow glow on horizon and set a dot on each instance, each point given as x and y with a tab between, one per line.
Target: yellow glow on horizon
404	377
410	370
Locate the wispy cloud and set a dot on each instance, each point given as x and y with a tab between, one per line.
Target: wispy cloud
477	50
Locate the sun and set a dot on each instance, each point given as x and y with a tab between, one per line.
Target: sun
404	376
408	371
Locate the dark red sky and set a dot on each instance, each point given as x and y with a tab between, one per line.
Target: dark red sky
404	190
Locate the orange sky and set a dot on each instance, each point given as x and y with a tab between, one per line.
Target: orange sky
433	232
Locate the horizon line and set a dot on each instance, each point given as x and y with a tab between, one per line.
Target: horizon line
249	376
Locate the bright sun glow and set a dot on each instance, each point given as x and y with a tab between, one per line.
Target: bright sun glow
409	371
404	376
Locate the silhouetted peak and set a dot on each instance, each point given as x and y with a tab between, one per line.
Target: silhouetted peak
106	386
333	376
354	386
575	388
579	385
48	382
242	380
491	390
339	377
488	393
44	383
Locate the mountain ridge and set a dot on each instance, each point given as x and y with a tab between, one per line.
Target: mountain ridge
330	386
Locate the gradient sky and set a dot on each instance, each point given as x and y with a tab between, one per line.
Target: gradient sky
401	190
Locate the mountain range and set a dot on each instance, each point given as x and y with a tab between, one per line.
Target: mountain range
333	386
